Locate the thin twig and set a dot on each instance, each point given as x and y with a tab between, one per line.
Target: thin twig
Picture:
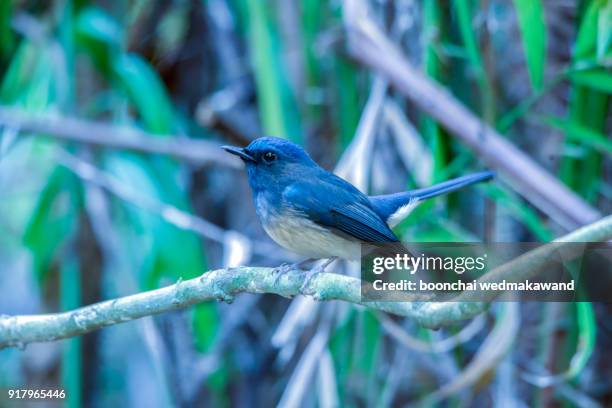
445	345
196	152
356	160
224	284
171	214
175	216
371	47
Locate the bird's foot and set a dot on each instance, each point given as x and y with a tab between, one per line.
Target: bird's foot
283	268
286	267
309	275
314	272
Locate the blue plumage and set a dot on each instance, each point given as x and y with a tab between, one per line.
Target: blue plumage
315	213
387	205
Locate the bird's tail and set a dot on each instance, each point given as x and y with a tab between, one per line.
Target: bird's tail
394	207
451	185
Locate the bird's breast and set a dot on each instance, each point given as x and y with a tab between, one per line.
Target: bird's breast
293	230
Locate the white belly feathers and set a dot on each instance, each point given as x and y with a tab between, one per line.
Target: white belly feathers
295	232
311	240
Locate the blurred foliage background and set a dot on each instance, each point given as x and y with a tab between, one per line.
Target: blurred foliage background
228	71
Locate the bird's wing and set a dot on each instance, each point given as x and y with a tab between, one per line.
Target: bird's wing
339	207
362	223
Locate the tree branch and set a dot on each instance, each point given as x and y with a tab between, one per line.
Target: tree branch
224	284
196	152
369	46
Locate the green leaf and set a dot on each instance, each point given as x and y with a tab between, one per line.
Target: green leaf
31	79
587	336
146	91
464	19
312	22
368	342
585	46
588	106
579	133
342	354
348	101
171	253
167	252
598	79
206	325
19	73
585	343
469	38
349	105
604	30
97	24
53	219
519	210
530	14
7	37
276	103
100	36
175	253
433	134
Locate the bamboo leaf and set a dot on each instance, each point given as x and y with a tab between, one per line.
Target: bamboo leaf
519	210
349	106
276	104
438	141
588	106
206	325
598	79
587	329
167	252
7	38
604	30
464	13
587	33
579	133
530	14
587	337
31	80
53	219
146	91
18	75
343	355
470	42
97	24
100	36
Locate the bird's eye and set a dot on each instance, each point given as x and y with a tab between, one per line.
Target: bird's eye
269	157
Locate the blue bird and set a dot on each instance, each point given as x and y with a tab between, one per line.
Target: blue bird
315	213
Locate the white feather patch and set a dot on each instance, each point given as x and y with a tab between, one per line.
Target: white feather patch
402	212
294	231
306	238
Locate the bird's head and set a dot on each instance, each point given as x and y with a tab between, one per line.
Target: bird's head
270	161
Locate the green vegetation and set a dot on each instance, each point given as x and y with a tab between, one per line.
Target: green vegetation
537	71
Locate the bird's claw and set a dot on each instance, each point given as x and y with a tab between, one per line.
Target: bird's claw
309	275
314	272
283	269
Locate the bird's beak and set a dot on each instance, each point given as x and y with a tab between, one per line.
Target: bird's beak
237	151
